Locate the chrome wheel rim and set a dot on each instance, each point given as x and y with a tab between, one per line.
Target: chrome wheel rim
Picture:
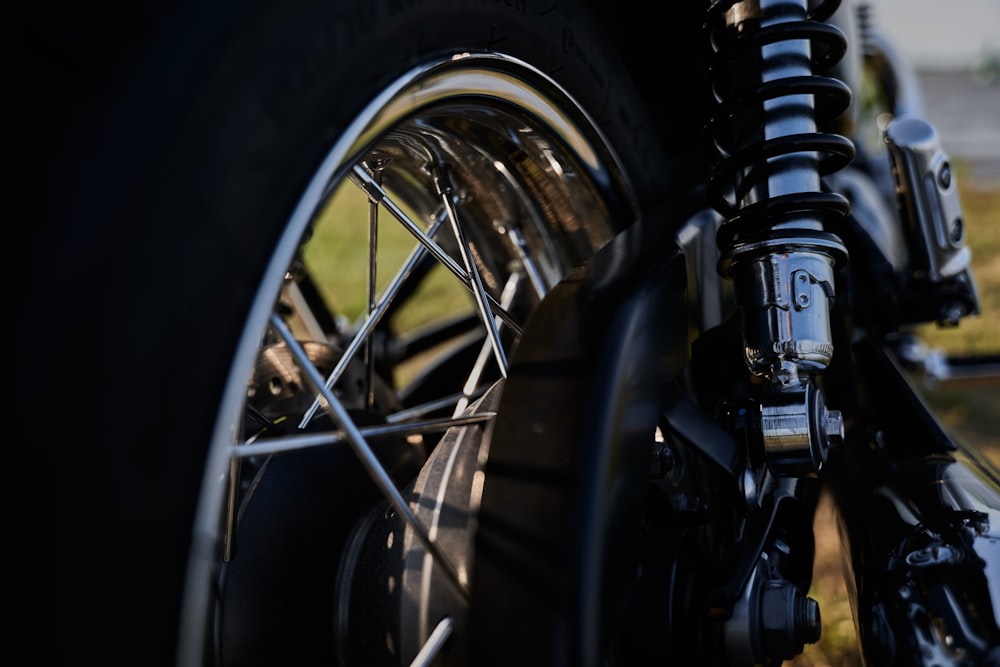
483	164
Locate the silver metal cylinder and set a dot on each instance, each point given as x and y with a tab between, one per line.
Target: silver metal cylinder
785	289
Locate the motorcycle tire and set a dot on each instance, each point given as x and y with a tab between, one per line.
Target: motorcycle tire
170	156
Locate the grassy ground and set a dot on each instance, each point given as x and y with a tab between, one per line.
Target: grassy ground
971	413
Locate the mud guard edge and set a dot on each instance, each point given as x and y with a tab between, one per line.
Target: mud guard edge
569	456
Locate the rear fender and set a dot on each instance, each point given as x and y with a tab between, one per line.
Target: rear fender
570	453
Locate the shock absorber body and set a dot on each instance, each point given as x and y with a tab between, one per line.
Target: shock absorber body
776	244
775	240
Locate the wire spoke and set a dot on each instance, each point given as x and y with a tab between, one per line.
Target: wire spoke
303	441
524	254
371	321
434	406
475	375
445	191
369	357
365	455
363	180
434	644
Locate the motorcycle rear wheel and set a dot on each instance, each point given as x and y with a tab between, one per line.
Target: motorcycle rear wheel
471	157
207	157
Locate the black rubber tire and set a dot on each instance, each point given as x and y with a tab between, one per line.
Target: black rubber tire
156	151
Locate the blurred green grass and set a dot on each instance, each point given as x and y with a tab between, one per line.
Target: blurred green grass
341	271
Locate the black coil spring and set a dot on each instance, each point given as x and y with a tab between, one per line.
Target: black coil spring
739	114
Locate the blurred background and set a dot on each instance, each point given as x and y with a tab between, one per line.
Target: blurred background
939	35
955	47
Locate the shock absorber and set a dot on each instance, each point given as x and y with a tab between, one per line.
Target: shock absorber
770	96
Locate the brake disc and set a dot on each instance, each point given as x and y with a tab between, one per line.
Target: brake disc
392	594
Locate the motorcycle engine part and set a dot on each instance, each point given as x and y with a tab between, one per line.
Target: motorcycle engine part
928	200
929	207
926	559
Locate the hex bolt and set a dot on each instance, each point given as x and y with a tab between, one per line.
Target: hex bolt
957	231
789	620
944	176
663	460
934	555
833	426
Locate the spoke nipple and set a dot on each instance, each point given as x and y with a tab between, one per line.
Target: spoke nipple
441	179
376	163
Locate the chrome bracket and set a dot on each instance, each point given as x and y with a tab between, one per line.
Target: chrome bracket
939	267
